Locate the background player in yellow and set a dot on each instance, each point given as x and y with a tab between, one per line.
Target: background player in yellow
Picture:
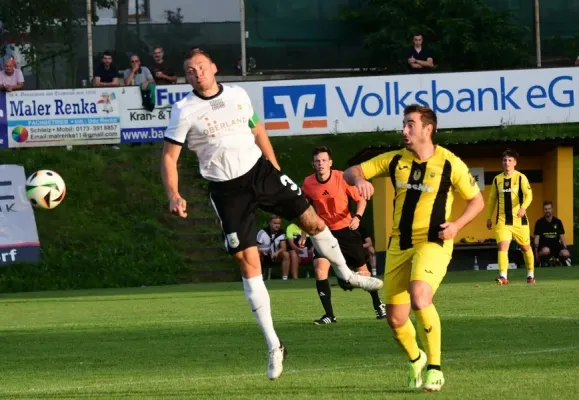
511	194
421	242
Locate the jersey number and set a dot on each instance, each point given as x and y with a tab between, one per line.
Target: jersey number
286	180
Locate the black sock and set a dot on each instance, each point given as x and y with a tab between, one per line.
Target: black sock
325	294
430	366
375	299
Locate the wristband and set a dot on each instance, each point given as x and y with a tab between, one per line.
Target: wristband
359	217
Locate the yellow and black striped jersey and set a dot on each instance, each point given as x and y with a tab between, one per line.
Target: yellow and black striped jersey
508	194
424	195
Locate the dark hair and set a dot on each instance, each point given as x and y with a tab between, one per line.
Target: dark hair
274	216
107	53
427	116
417	34
511	153
547	203
322	149
195	51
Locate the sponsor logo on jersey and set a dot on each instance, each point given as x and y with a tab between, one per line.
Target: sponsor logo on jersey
409	186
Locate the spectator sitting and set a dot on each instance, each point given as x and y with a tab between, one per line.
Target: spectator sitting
106	74
162	74
11	79
137	74
550	237
273	247
298	254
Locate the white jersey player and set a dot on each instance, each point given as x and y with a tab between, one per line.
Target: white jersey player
236	157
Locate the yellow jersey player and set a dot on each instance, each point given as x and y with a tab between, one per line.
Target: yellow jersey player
424	177
511	194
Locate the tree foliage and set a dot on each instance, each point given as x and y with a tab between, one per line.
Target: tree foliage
45	29
464	35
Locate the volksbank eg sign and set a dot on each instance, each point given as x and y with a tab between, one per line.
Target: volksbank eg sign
461	100
505	95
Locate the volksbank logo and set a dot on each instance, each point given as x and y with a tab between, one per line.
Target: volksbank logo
409	186
300	106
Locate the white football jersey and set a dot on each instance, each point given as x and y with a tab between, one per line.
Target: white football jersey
218	130
269	242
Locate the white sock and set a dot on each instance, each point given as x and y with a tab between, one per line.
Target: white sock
327	245
258	299
530	274
284	278
503	275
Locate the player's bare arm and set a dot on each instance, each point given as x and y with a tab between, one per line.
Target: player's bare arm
473	207
170	178
355	176
527	197
263	142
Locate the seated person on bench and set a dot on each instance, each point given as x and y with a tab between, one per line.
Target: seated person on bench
273	247
550	238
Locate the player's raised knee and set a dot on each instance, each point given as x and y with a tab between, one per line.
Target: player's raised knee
310	222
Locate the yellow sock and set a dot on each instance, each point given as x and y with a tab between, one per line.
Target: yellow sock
503	263
430	333
406	336
529	262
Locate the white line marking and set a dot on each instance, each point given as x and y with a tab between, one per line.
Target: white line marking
120	384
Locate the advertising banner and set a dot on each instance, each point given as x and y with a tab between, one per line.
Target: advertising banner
461	100
139	125
3	121
298	107
18	235
43	118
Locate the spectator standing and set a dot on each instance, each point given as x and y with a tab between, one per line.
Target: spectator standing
420	60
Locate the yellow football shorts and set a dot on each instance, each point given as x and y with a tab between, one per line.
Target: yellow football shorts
426	262
506	233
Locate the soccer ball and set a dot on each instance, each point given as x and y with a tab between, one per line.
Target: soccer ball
45	189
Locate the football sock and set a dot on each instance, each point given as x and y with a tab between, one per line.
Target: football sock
327	245
325	294
406	337
428	322
258	299
503	263
375	299
530	262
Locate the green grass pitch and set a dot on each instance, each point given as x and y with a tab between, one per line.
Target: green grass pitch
201	342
